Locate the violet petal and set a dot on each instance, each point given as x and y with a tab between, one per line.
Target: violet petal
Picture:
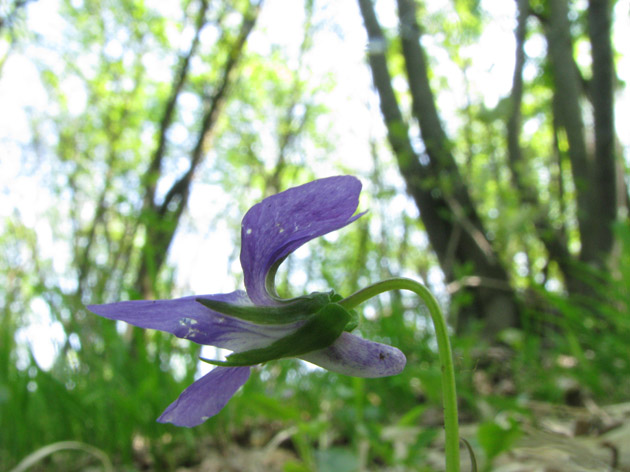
358	357
281	223
205	397
188	319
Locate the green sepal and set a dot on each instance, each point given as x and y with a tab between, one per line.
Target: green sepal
354	315
290	311
319	331
354	321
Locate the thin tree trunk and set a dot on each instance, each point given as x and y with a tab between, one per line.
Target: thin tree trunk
161	219
569	113
554	240
605	204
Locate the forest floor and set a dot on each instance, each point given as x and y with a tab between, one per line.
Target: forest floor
561	438
548	438
553	439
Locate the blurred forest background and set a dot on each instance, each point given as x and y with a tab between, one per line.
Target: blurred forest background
493	142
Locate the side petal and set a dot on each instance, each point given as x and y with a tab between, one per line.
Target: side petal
358	357
205	397
188	319
281	223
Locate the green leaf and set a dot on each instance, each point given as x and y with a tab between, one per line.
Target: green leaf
294	466
319	331
496	438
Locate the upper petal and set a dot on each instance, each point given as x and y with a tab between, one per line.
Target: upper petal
281	223
358	357
205	397
189	319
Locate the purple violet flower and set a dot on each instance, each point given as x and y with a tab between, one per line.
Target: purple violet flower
257	325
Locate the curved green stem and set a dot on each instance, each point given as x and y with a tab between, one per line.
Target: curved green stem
449	397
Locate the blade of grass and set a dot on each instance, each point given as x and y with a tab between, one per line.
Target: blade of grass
45	451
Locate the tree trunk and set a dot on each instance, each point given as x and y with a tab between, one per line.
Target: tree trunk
454	229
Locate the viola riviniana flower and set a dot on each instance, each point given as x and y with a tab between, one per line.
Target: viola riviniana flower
257	325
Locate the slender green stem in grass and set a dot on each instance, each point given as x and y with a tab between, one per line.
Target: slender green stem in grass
449	397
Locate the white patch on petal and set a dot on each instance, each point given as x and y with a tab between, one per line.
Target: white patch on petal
248	231
188	323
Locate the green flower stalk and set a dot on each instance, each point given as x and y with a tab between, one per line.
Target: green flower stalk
449	394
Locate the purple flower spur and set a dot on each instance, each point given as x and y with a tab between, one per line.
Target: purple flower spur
257	325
